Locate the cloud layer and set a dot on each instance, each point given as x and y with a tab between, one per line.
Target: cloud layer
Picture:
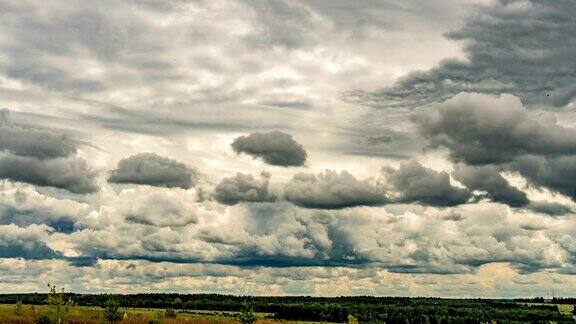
517	47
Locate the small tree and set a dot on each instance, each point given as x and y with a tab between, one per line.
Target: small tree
247	316
113	313
177	303
18	309
352	319
58	307
170	313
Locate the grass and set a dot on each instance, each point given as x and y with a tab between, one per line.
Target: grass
94	315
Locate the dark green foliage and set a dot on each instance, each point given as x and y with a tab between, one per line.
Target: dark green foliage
43	319
247	315
59	307
18	309
170	313
113	313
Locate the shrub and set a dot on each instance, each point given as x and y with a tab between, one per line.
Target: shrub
58	307
352	319
113	313
43	319
18	309
247	316
170	313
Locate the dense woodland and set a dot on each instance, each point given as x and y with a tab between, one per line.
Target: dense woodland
337	309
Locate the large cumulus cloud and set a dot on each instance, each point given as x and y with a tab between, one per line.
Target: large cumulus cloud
333	190
522	47
35	142
154	170
244	188
496	133
416	183
489	179
42	157
70	173
480	129
274	148
554	173
25	242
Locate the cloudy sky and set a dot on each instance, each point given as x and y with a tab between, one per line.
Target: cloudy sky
308	147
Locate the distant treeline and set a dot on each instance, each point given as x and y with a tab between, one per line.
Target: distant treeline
336	309
555	300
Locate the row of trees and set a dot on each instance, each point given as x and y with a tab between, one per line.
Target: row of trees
61	308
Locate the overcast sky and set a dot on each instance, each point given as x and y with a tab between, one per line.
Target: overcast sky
302	147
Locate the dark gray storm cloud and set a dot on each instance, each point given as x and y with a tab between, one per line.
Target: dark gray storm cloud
35	142
274	148
416	183
70	173
154	170
550	208
479	129
488	179
42	157
26	216
557	174
522	47
333	190
244	188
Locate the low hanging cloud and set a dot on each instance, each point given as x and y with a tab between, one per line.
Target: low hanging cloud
35	142
550	208
482	129
42	157
553	173
333	190
244	188
489	179
498	132
154	170
516	46
26	242
416	183
274	148
70	173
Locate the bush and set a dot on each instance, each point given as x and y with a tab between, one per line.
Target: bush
18	309
43	319
352	319
170	313
58	307
247	316
113	313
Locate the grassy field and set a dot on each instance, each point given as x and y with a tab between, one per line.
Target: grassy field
89	315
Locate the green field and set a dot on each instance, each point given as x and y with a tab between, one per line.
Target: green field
91	314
